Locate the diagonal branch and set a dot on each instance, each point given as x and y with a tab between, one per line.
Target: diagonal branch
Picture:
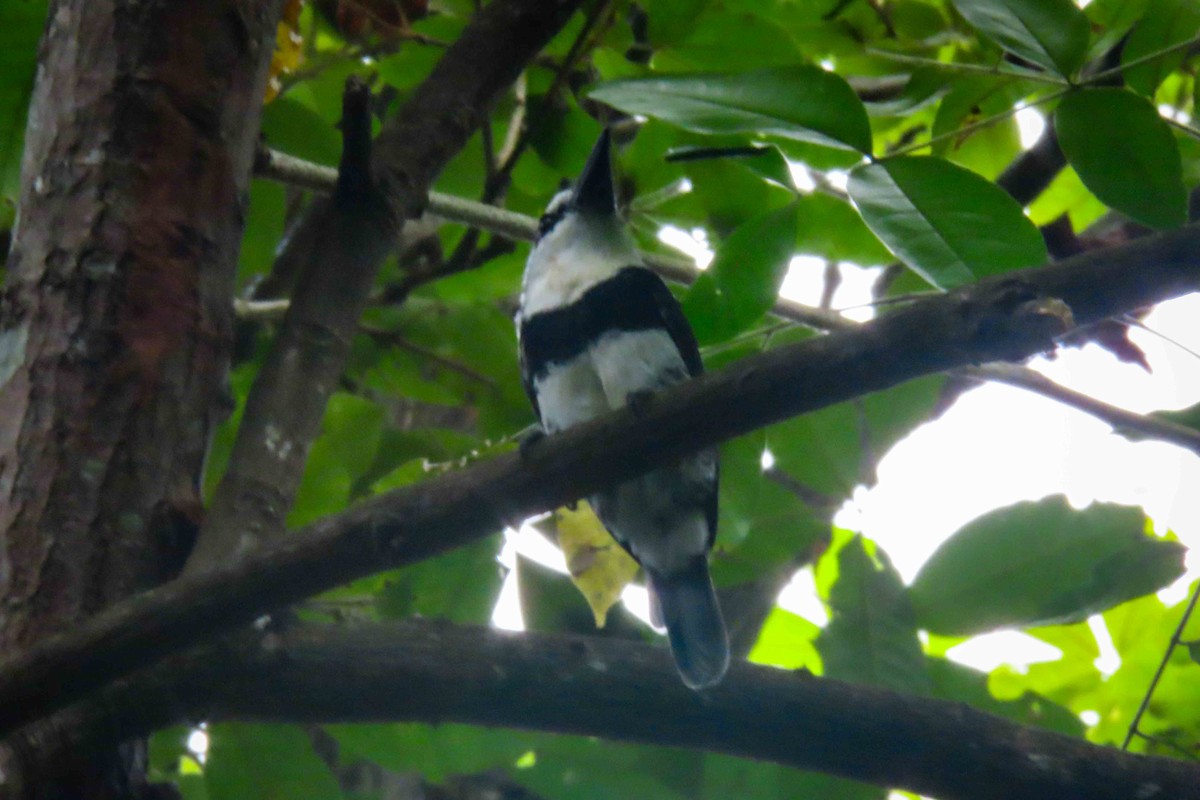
591	686
380	185
999	319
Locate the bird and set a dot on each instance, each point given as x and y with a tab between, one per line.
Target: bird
598	330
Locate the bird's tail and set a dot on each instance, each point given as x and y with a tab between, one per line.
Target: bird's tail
690	612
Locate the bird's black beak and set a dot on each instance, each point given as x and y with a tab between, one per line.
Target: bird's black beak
594	191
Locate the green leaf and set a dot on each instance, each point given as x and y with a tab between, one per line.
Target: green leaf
822	449
1125	153
1050	33
953	681
1066	194
743	281
21	26
435	752
762	525
787	641
724	40
871	636
350	436
300	131
265	762
668	21
1188	417
461	586
1041	563
1115	14
829	227
803	103
946	223
728	194
1165	23
972	98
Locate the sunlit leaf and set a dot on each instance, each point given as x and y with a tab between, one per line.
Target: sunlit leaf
871	636
599	567
787	641
1041	563
743	280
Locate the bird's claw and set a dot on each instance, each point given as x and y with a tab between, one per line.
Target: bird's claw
529	440
638	401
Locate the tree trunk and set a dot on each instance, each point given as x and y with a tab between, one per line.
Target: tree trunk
116	317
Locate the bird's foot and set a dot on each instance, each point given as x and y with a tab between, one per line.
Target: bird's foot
639	401
528	440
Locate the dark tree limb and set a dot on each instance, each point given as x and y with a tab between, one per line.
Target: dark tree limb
287	401
379	186
1031	172
999	319
622	690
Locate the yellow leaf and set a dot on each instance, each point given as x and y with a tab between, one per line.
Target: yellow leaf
599	567
289	48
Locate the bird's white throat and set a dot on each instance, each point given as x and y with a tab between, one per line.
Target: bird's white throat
580	252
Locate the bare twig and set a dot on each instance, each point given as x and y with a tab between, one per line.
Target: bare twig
1119	418
1162	666
1104	75
959	66
289	169
394	339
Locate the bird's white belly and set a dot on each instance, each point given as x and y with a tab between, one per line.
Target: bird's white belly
636	361
601	378
570	393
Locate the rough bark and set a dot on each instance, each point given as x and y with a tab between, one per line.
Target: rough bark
1005	318
116	316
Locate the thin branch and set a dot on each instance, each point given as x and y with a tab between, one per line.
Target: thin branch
380	185
1162	666
287	401
996	319
287	169
1183	126
260	310
983	123
1120	418
958	66
395	339
1174	747
297	172
1103	75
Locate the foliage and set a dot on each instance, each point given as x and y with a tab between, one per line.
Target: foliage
915	98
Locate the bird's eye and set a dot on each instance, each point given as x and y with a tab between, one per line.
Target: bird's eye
550	219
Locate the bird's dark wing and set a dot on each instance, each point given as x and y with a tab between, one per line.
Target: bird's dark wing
667	312
526	372
671	317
